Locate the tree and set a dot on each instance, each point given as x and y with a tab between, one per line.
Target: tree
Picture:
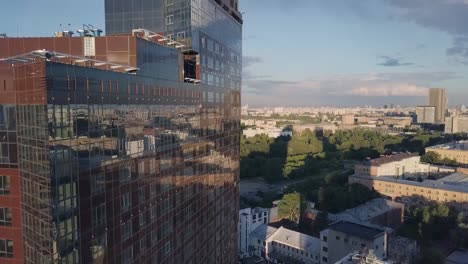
290	207
321	222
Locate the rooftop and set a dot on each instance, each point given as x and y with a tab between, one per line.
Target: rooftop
457	257
456	145
297	240
357	230
391	158
457	182
263	232
369	210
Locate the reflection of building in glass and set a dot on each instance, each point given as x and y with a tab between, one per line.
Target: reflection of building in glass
122	164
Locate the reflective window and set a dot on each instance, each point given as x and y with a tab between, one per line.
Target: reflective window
5	216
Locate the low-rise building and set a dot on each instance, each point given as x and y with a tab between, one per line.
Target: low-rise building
398	121
457	151
270	132
285	246
343	238
347	119
379	211
452	189
362	258
315	127
398	165
249	220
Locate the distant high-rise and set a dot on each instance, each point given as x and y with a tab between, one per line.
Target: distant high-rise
438	99
425	114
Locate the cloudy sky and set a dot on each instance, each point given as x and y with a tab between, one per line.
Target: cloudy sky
318	52
366	52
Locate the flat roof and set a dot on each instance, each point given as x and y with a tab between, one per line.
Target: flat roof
297	240
357	230
391	158
448	183
263	232
369	210
456	145
458	257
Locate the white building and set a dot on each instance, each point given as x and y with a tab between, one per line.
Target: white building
270	132
249	220
426	114
343	238
456	124
398	165
285	246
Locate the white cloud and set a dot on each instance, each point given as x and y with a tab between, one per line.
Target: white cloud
395	89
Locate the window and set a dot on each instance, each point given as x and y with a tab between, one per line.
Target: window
142	219
325	249
99	215
324	259
337	238
127	256
98	182
153	212
6	248
167	249
126	230
125	201
5	216
154	237
125	173
166	229
169	2
324	238
4	185
181	35
143	244
170	20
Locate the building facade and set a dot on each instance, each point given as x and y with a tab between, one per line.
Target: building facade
285	246
438	99
451	190
398	165
425	114
343	238
457	151
456	124
109	155
249	220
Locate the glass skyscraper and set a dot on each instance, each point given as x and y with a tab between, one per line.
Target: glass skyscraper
110	155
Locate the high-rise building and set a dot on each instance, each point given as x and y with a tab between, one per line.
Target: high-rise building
456	124
122	149
438	99
425	114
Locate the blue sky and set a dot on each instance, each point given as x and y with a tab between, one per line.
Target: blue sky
323	52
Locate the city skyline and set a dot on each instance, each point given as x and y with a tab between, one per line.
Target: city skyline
334	53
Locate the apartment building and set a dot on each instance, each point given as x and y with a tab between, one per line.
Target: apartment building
457	151
285	246
452	189
343	238
249	220
456	124
398	165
